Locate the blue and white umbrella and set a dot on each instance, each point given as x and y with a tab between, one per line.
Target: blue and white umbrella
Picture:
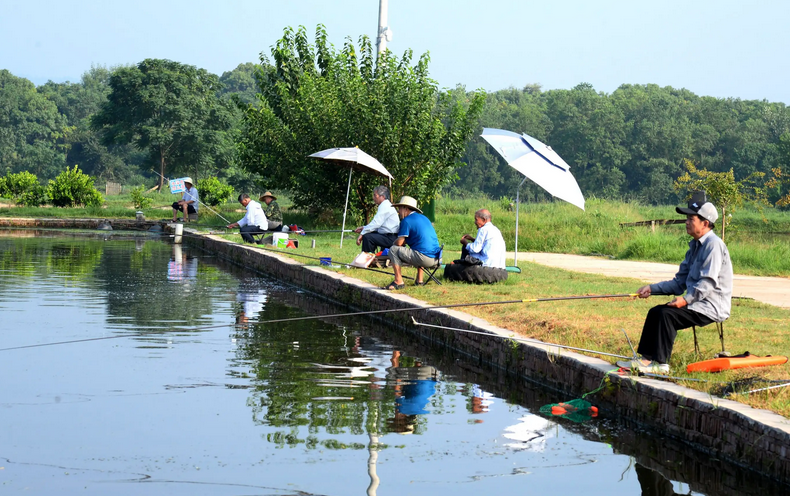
537	162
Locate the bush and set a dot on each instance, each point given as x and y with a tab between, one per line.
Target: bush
72	188
23	188
139	200
213	192
33	197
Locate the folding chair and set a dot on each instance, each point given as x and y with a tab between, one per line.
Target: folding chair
720	328
432	270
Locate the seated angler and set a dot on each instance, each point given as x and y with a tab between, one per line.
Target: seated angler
705	275
272	210
253	222
423	247
482	257
188	203
383	229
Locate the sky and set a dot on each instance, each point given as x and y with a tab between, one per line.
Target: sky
719	48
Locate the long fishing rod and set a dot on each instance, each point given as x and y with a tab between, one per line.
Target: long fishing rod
198	200
354	314
432	307
318	258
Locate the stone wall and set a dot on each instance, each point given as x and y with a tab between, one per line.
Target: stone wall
742	435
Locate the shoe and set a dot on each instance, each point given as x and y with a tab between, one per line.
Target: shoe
645	366
419	283
392	286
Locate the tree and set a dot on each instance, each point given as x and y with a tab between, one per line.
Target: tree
314	97
31	129
168	109
722	189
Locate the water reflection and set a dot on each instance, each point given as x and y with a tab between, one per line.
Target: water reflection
334	406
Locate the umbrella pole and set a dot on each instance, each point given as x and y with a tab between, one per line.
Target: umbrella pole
348	190
518	203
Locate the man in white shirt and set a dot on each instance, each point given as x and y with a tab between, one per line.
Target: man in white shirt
383	229
189	201
489	245
254	222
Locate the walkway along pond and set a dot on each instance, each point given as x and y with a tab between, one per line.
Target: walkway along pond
753	438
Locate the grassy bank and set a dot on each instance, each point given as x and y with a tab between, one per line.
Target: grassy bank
591	324
759	243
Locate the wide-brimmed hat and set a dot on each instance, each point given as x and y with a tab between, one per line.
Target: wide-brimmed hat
705	210
188	180
268	193
407	201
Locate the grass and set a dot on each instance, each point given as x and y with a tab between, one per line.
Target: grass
758	246
590	324
759	242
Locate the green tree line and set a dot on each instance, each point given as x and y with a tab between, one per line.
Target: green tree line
254	125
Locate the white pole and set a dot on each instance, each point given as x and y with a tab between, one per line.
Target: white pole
384	34
348	190
518	202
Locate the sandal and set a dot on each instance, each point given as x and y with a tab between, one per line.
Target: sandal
391	286
419	283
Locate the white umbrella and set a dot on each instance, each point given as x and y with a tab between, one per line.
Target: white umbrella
353	158
538	162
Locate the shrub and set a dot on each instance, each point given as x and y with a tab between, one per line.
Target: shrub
33	197
72	188
139	199
213	192
23	188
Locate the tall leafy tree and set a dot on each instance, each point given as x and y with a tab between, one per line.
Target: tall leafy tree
32	131
314	97
170	110
78	102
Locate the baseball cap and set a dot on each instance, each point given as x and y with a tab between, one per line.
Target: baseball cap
705	210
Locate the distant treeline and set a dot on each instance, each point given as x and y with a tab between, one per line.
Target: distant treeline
629	144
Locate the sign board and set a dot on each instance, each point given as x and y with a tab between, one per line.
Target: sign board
177	186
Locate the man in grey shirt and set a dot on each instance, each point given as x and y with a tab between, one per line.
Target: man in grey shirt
706	277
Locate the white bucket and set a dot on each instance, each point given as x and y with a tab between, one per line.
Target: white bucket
276	237
178	231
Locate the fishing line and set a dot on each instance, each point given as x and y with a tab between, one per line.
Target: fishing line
217	213
522	340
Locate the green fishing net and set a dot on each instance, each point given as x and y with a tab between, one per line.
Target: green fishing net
577	410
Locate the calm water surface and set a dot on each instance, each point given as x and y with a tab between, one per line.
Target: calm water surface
184	389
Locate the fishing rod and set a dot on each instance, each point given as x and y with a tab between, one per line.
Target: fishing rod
317	258
521	340
355	314
198	199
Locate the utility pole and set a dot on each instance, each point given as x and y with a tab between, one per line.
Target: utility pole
384	32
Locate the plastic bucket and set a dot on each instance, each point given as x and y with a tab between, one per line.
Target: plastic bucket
280	240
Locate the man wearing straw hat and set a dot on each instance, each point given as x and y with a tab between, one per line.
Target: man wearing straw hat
188	202
272	210
417	232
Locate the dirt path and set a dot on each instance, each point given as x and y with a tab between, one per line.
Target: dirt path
771	290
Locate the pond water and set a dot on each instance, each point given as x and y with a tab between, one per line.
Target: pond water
134	366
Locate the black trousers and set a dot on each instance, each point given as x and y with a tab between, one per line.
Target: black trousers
372	241
248	231
661	328
190	208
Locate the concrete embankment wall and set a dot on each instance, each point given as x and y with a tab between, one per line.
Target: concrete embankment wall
757	439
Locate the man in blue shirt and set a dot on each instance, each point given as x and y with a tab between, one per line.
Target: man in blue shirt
706	277
417	232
